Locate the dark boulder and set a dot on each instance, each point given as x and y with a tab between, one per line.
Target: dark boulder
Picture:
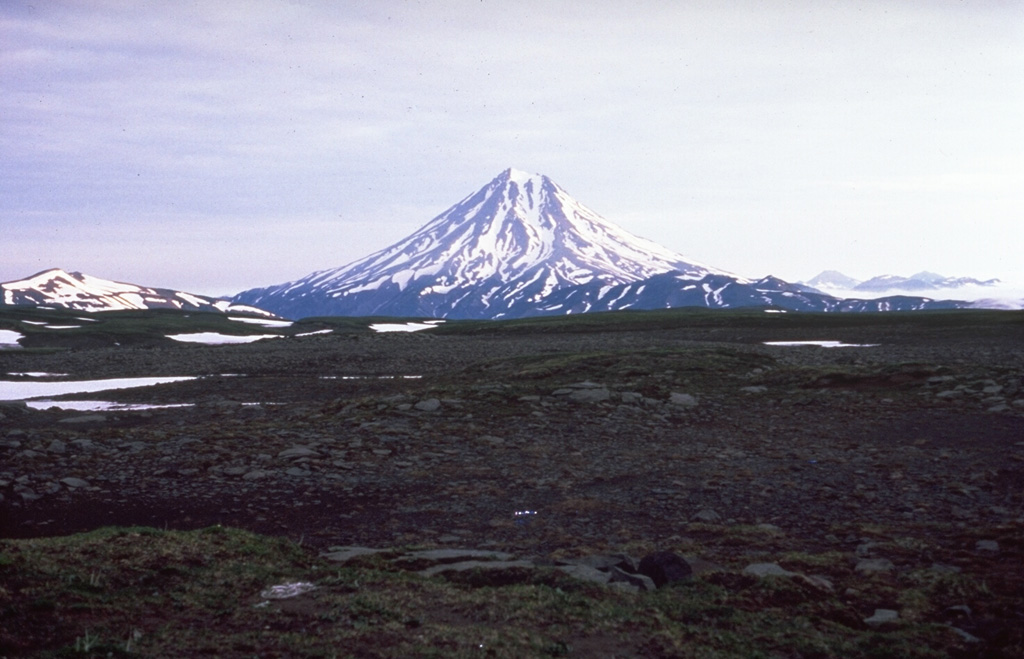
665	567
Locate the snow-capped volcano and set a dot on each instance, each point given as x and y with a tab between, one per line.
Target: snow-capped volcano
74	290
495	254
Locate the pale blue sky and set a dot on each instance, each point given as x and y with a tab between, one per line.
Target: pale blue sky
216	146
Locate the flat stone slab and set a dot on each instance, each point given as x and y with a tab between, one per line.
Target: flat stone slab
463	566
297	452
346	554
882	616
767	570
872	565
454	555
585	573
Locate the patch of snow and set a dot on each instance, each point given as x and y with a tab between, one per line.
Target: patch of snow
265	322
35	374
98	405
62	327
10	338
192	299
323	331
21	390
405	327
371	377
821	344
216	338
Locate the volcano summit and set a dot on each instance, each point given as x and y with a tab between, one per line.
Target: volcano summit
521	246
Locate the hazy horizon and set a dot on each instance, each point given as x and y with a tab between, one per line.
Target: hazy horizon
214	148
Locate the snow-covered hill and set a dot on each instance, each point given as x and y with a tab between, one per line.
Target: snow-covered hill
833	281
500	252
522	246
74	290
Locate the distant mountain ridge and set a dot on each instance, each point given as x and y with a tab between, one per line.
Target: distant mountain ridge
922	281
521	246
81	292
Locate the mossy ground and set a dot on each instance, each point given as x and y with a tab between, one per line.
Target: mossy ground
142	592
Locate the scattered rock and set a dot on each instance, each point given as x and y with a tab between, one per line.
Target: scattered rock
882	617
85	418
989	546
74	483
872	565
708	516
428	405
13	407
297	452
767	570
606	562
453	555
586	573
346	554
590	395
640	581
475	565
665	567
682	400
631	397
966	636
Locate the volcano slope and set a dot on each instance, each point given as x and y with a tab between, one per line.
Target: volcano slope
892	468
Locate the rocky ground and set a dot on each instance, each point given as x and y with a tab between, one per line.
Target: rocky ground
890	460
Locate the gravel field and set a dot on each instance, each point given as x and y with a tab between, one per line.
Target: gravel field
552	443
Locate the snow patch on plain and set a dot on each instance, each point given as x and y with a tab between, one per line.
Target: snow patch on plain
216	338
98	405
323	331
821	344
10	338
22	390
405	327
265	322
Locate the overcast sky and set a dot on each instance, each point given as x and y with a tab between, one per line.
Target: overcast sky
218	146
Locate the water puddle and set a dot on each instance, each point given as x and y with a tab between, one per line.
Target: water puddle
821	344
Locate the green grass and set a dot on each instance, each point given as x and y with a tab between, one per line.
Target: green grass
141	592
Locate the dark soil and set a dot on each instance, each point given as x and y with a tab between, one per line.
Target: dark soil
916	444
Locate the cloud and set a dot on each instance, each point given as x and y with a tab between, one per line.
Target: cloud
668	113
